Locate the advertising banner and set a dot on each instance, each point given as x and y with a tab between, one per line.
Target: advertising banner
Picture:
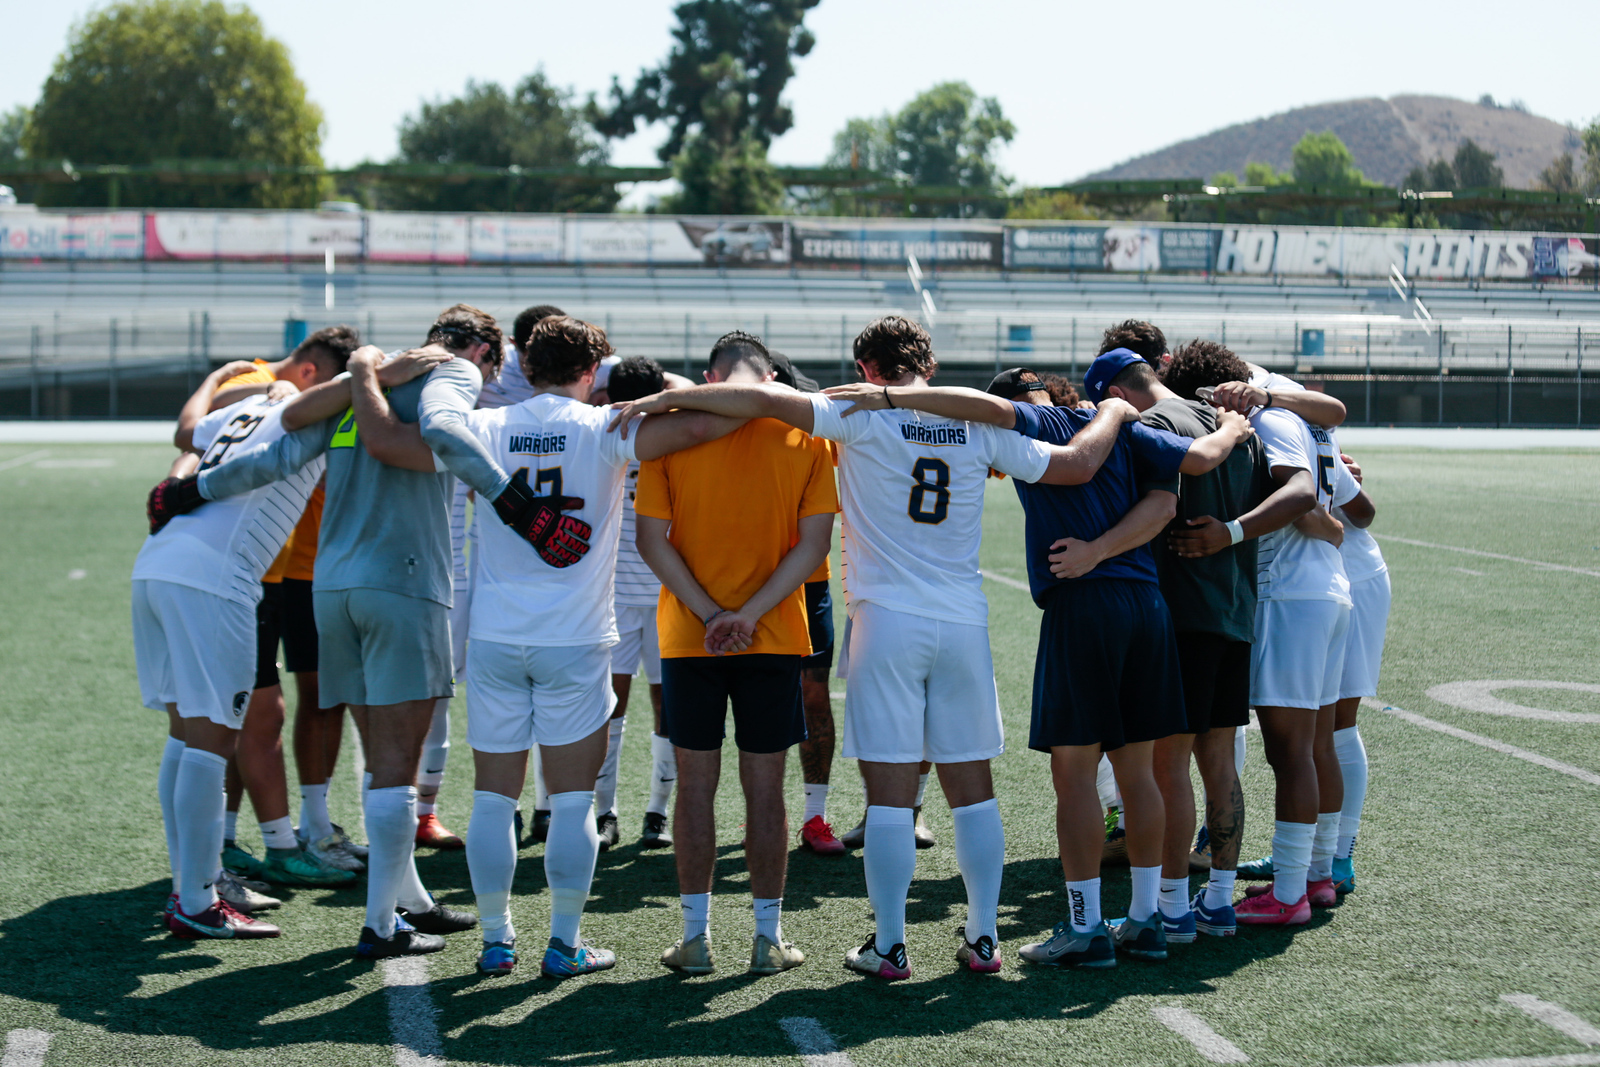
874	246
517	239
1056	247
416	237
639	240
26	233
738	242
1189	250
250	235
1566	257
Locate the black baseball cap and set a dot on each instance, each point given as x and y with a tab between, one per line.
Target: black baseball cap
784	371
1016	382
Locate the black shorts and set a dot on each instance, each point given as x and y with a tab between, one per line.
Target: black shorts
1216	681
1107	668
768	715
285	614
819	614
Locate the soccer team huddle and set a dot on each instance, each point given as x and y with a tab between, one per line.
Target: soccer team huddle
1195	538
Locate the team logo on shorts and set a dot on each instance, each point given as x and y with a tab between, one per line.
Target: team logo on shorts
240	701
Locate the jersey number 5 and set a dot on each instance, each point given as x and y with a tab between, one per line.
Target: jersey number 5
933	481
1325	474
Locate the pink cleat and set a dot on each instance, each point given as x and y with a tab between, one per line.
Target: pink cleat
817	835
891	966
1264	909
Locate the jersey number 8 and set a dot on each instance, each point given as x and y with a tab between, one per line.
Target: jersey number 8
933	480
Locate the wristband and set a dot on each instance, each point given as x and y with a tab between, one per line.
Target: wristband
714	614
1235	532
886	397
1268	404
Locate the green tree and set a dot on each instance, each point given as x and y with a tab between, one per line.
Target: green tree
1561	176
865	144
1323	159
13	128
144	81
1475	168
1591	157
1039	204
535	125
1260	175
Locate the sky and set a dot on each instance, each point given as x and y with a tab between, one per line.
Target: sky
1087	85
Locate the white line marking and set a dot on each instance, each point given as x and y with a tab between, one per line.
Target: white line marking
25	1048
1193	1029
1469	570
412	1016
816	1045
1490	555
18	461
1479	696
1556	1017
1003	580
1487	742
1577	1059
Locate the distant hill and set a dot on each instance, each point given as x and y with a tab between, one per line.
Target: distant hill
1387	138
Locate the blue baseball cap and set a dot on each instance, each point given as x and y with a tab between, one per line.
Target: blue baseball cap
1105	368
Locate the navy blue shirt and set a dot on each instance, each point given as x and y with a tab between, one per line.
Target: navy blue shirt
1142	459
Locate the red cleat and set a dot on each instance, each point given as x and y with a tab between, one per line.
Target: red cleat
221	922
431	833
1320	894
1264	909
817	835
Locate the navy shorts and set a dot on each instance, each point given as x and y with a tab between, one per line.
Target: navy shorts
819	615
1107	670
1216	681
285	614
768	715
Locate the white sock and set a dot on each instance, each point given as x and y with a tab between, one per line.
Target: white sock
198	802
605	785
391	834
1174	896
166	782
769	918
1146	892
279	833
1322	843
1105	783
492	861
230	825
1353	762
663	773
541	799
922	787
1083	905
1219	889
981	858
1238	752
696	915
413	895
889	854
435	753
1291	855
569	855
314	820
816	802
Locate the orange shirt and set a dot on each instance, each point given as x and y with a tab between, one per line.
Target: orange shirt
735	505
824	572
299	553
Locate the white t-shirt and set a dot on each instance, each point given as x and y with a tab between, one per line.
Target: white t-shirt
517	598
511	387
637	584
1360	552
225	546
1290	565
911	488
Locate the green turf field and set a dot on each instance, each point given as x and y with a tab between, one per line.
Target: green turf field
1477	868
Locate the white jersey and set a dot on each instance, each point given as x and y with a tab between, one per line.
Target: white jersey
225	546
911	487
1290	565
509	387
517	598
637	584
1360	552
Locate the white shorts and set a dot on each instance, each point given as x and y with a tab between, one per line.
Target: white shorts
919	689
193	649
1298	655
522	695
636	631
1363	642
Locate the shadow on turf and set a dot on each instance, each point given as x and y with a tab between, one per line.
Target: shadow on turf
93	956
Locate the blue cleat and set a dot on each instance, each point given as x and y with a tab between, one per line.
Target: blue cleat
1344	875
1257	870
1218	922
563	961
498	957
1179	931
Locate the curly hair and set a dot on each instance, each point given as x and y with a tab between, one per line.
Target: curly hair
562	349
634	378
522	328
1136	335
735	347
1063	394
333	343
894	347
461	326
1202	363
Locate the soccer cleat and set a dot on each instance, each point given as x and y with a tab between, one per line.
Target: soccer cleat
222	922
331	851
358	851
1320	894
438	919
690	957
1114	853
1065	948
856	836
1344	875
1179	931
293	867
242	897
773	957
655	833
563	961
1264	909
431	833
817	835
239	861
925	838
891	966
170	907
405	942
516	822
541	824
606	827
981	955
1200	855
498	957
1142	938
1257	870
1218	922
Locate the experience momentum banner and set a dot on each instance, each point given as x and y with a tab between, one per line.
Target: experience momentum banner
873	245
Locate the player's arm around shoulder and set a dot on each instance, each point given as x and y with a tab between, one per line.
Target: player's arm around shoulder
1080	459
658	435
735	400
384	437
1208	452
950	402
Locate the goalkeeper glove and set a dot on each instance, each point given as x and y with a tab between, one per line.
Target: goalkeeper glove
172	497
561	540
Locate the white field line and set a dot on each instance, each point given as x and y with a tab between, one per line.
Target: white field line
1578	1059
1487	742
1556	1017
1003	580
17	461
816	1045
1469	570
1541	564
25	1048
411	1013
1193	1029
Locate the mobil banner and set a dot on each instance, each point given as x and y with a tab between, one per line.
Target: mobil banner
27	233
860	246
517	239
250	235
416	237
